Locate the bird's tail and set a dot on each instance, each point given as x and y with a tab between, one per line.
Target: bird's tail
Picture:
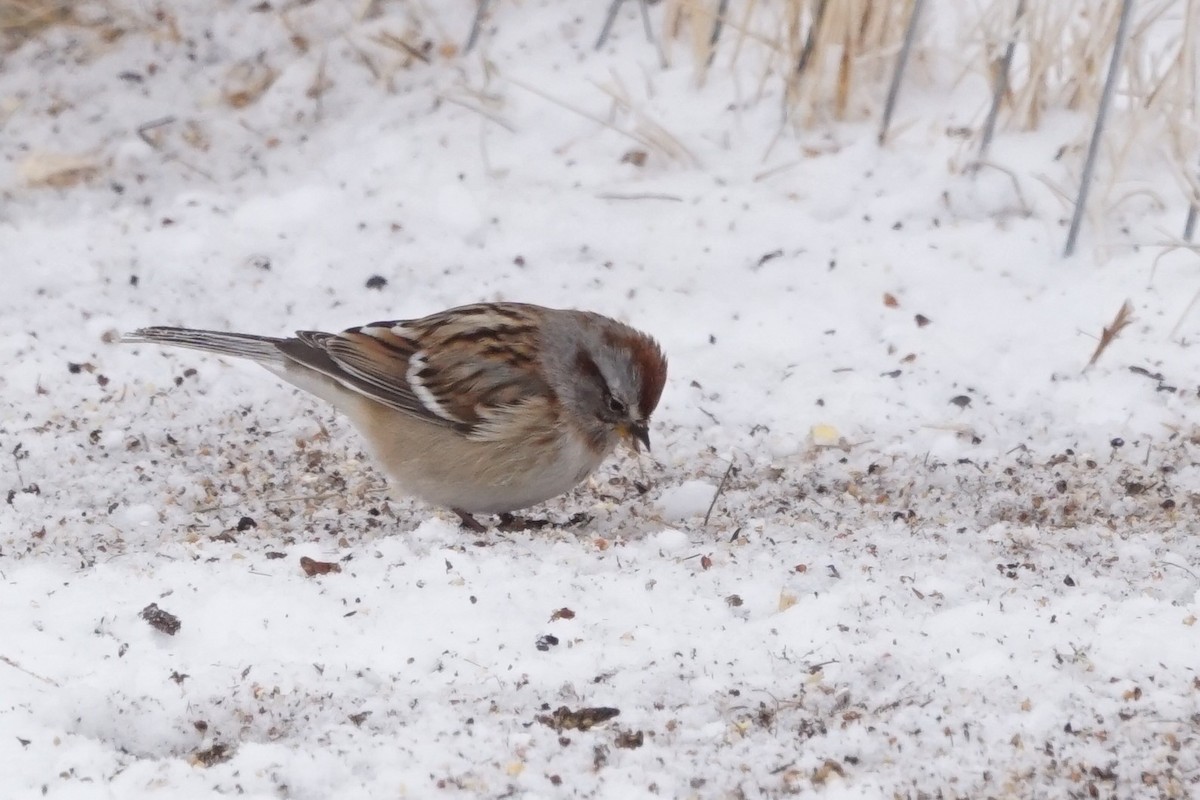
263	349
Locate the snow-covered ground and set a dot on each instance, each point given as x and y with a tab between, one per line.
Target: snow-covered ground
943	560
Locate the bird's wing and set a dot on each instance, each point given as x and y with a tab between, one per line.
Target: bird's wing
457	368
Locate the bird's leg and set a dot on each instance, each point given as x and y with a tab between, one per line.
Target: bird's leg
469	522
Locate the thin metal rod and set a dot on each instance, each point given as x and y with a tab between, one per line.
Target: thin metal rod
1110	84
1001	88
644	5
477	24
1189	225
609	19
718	25
901	62
810	42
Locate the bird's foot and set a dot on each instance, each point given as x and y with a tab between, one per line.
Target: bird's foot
470	523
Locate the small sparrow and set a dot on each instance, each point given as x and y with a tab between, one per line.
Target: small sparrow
484	408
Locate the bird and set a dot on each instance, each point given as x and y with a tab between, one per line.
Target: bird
485	408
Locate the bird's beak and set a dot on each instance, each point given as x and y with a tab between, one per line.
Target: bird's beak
635	433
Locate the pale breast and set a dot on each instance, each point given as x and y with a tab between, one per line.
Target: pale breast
444	468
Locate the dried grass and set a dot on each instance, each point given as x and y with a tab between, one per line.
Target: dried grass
21	19
829	54
827	61
43	169
25	20
832	59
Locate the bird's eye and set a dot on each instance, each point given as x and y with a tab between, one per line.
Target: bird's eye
615	405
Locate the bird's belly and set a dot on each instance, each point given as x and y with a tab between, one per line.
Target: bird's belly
444	468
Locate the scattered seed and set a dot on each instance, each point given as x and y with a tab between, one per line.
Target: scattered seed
212	756
313	567
161	620
564	719
630	740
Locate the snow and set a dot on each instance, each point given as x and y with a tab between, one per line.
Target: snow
688	499
894	594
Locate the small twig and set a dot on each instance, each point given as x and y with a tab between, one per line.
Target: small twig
717	493
655	134
1025	208
1179	566
143	132
17	666
643	196
1184	315
1111	332
640	139
17	466
317	89
396	43
367	61
768	173
488	115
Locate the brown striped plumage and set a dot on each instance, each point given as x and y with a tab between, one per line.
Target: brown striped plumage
482	408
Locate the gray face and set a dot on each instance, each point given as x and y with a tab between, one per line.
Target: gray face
619	387
602	386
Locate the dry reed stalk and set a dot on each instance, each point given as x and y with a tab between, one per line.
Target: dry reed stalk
840	49
1060	53
1061	56
647	129
1175	102
703	22
22	19
706	21
827	53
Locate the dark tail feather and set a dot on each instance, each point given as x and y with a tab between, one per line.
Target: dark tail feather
239	345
